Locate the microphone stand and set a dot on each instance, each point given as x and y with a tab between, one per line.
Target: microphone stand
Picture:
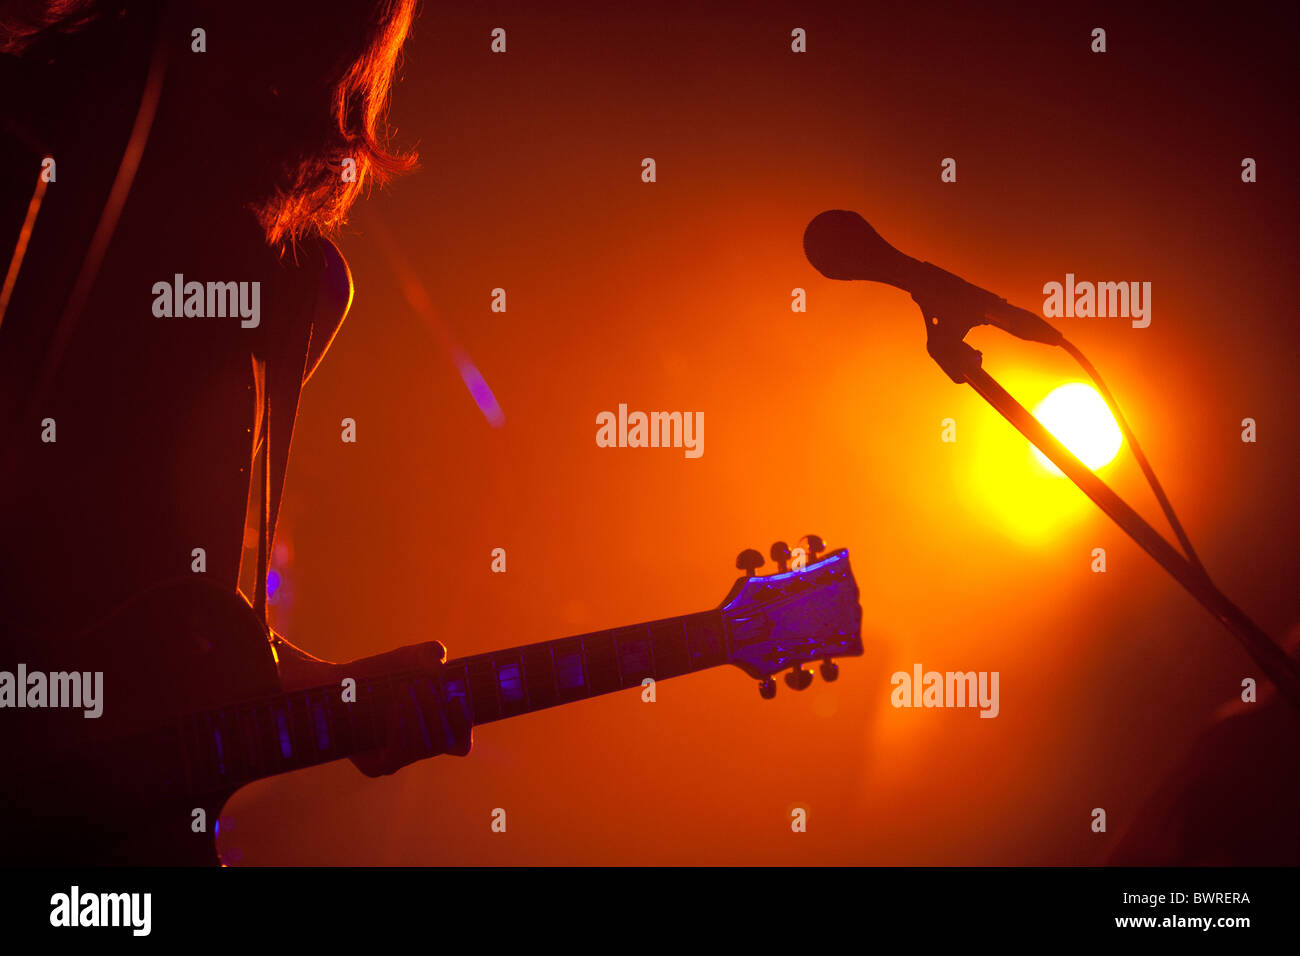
962	363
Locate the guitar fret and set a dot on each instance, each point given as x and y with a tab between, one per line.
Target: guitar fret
650	639
257	742
459	686
496	685
245	733
233	743
483	688
523	683
273	735
455	683
512	686
618	660
635	656
540	683
706	640
555	671
668	644
570	669
321	720
283	729
234	751
586	667
244	716
602	663
304	742
244	768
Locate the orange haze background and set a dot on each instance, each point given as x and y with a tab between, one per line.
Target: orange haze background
676	296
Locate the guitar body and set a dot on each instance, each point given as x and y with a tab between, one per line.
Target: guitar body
110	790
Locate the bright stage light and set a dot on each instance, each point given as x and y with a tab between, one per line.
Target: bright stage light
1082	422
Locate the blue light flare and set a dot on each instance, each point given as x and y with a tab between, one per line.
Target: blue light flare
479	390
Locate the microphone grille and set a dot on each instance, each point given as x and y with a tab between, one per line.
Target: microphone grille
840	244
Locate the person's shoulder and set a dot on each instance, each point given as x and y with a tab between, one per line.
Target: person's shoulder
337	285
332	302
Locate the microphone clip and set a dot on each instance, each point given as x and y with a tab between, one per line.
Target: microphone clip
945	336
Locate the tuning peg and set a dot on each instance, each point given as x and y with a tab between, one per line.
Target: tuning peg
767	689
749	561
830	670
798	678
814	545
781	555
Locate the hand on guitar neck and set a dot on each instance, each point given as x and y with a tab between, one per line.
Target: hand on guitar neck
418	723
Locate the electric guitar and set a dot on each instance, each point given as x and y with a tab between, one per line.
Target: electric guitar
193	708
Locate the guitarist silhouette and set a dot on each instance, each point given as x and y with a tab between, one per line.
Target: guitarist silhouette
138	149
170	291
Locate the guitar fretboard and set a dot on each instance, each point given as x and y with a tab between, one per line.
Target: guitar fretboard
230	746
524	679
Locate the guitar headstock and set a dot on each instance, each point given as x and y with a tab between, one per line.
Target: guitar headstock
807	611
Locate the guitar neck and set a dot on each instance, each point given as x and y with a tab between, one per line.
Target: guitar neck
524	679
230	746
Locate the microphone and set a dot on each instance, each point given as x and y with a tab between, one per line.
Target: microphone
842	245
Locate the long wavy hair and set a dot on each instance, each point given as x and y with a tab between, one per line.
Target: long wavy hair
311	81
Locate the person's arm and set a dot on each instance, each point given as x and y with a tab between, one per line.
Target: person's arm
419	725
